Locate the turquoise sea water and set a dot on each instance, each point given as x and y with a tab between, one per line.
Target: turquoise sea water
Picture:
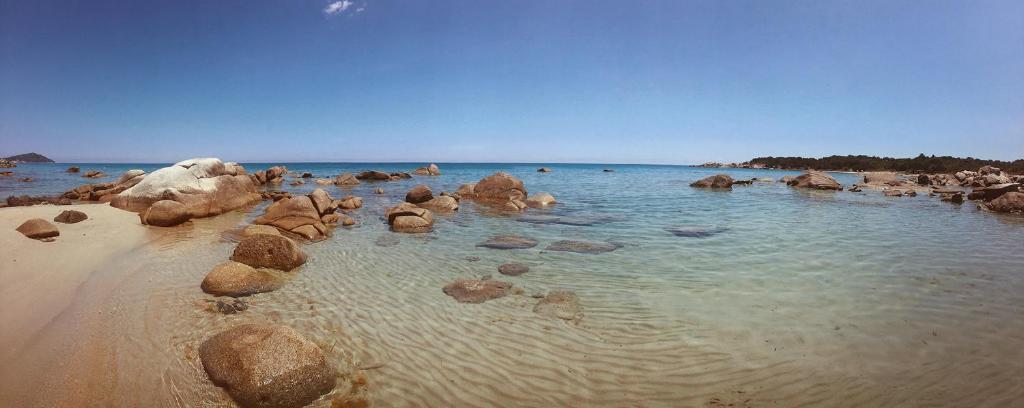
792	298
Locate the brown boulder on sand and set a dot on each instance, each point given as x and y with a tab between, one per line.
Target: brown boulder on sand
38	228
165	213
1012	202
419	194
70	217
267	365
477	291
560	304
716	181
269	251
815	180
237	279
407	217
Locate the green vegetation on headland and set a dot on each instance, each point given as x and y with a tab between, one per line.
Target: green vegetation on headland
919	164
29	158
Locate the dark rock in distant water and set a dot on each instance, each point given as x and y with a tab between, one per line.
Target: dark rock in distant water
26	180
94	174
608	170
70	217
477	291
508	242
30	158
695	231
513	269
560	304
407	217
543	170
267	365
582	247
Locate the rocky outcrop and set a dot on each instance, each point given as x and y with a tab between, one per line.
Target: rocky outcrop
716	181
266	365
38	228
430	170
883	178
70	217
541	200
273	175
441	204
409	218
346	179
350	203
815	180
1011	202
297	215
269	251
106	192
499	190
203	186
560	304
477	291
236	279
7	164
993	192
165	213
419	194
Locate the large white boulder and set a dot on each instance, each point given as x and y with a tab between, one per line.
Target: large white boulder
205	186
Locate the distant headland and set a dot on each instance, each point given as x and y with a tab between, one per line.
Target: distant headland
919	164
29	158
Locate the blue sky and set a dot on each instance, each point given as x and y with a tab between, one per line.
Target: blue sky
534	81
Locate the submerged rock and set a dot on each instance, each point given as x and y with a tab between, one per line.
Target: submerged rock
38	228
265	365
477	291
387	240
350	203
70	217
582	247
231	307
508	242
513	269
716	181
236	279
695	231
269	251
560	304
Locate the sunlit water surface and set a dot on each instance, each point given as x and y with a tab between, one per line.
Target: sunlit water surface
800	299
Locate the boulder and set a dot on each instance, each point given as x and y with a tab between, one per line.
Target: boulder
322	201
441	204
323	182
373	175
815	180
236	279
924	180
94	174
955	198
1011	202
165	213
582	247
985	170
350	203
346	179
378	190
465	190
994	191
407	217
269	251
882	178
267	365
70	217
431	170
499	187
477	291
73	169
297	215
307	175
513	269
892	193
508	242
560	304
201	185
716	181
38	228
540	200
130	177
419	194
259	229
234	169
346	221
543	170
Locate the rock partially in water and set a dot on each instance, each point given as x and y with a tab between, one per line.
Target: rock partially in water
373	175
540	200
695	231
409	218
266	365
892	193
346	179
38	228
441	204
1012	202
165	213
815	180
509	242
297	215
388	240
206	187
582	247
322	202
269	251
73	169
716	181
544	170
259	229
70	217
419	194
476	290
431	170
560	304
378	190
236	279
513	269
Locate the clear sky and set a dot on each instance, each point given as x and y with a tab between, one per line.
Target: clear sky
537	81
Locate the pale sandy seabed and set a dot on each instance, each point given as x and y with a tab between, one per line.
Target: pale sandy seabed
111	314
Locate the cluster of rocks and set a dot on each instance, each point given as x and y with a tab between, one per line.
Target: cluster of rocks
376	175
7	164
26	200
503	191
744	165
310	215
38	228
105	192
430	170
273	175
985	176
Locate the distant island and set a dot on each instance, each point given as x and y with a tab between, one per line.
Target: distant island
919	164
29	158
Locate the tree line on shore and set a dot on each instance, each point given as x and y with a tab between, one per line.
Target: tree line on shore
919	164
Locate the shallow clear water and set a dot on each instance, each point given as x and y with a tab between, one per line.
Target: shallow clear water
801	299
